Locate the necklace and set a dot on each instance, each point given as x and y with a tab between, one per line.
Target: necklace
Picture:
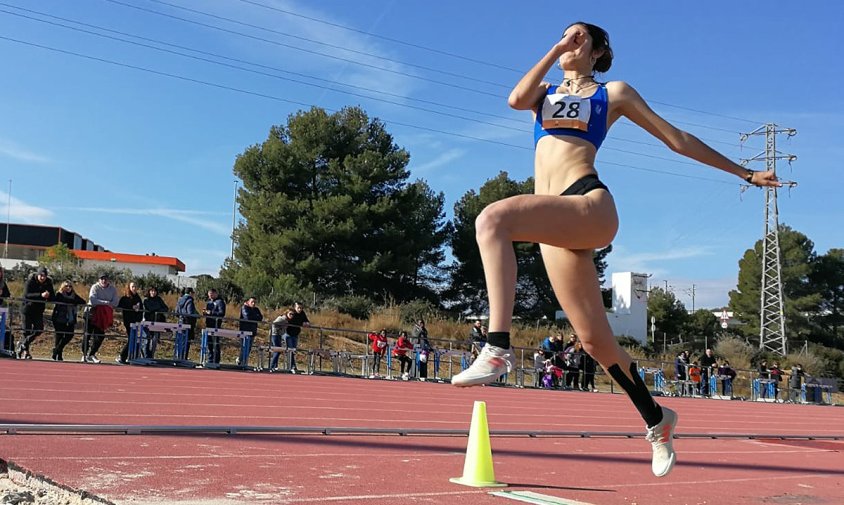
573	81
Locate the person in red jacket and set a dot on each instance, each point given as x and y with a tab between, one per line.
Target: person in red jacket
379	349
400	352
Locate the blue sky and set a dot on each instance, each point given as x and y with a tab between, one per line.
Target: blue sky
141	162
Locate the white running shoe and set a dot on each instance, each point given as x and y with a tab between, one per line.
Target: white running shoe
93	359
661	437
490	364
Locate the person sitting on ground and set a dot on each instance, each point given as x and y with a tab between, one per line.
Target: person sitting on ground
155	310
103	298
379	349
64	317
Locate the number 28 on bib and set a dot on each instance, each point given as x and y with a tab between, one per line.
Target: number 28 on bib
566	111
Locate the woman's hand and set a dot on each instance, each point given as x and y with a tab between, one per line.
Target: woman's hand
570	42
768	178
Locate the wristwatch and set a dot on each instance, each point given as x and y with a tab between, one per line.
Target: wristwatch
749	176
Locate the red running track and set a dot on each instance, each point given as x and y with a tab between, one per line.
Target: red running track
222	469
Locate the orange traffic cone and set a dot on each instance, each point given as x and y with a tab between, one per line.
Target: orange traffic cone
477	468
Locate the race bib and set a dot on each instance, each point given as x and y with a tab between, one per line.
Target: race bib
566	111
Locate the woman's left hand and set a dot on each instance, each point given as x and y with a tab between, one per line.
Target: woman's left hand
768	178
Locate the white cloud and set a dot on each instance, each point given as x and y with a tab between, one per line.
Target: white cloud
11	150
192	217
643	262
22	211
444	158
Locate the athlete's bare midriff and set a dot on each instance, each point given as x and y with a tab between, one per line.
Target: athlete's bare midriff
560	161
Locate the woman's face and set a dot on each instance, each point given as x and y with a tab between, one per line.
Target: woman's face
68	289
133	287
153	292
582	54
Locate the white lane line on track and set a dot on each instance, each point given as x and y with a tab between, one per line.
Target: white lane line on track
382	455
717	481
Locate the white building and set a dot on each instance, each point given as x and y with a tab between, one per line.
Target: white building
138	264
629	313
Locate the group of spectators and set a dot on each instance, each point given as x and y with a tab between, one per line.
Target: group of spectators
403	351
693	376
557	363
560	364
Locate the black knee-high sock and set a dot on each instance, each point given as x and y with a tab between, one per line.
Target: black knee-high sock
638	393
499	339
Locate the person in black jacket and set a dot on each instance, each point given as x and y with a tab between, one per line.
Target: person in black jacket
186	310
420	338
37	292
155	310
250	315
215	310
295	325
131	304
64	317
6	343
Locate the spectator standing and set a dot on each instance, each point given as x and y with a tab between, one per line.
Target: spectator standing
278	336
296	323
776	377
764	378
186	310
36	293
215	311
706	363
379	349
8	345
795	383
589	367
131	305
103	299
250	316
573	359
727	374
64	317
538	367
477	338
155	311
400	351
420	339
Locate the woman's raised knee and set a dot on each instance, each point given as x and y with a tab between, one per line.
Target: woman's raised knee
491	223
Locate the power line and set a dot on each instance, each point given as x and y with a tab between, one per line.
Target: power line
423	109
309	51
382	37
302	104
326	44
453	55
197	11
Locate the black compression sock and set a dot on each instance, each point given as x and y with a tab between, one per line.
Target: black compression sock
499	339
638	393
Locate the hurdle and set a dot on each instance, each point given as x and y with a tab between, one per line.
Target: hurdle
224	333
140	336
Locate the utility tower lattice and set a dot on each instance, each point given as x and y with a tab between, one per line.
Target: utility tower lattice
772	316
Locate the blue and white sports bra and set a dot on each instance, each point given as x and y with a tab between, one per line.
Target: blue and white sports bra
572	115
